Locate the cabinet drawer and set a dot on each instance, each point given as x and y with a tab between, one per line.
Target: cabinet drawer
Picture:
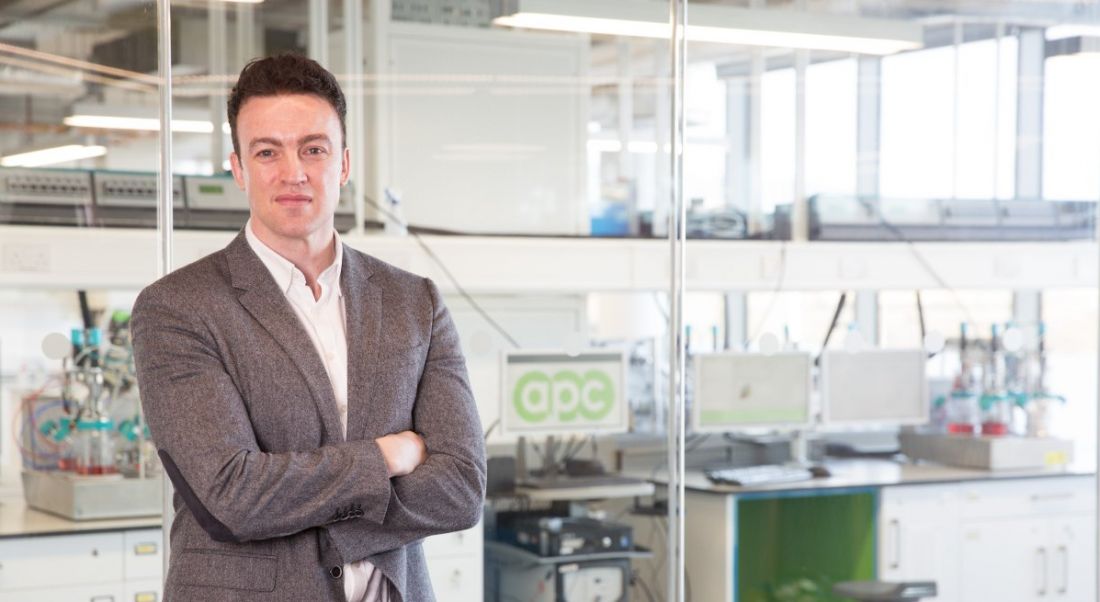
143	591
107	592
456	579
59	561
1026	497
143	554
459	543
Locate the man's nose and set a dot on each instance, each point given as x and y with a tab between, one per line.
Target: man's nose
293	170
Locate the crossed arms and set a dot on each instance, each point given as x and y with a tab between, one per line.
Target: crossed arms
370	495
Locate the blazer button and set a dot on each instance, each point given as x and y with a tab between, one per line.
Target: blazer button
336	572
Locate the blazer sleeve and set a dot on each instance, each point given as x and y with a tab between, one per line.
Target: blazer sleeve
446	492
205	439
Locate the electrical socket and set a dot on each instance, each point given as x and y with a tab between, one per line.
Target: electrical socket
25	258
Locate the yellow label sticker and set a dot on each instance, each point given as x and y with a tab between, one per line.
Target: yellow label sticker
1055	458
145	549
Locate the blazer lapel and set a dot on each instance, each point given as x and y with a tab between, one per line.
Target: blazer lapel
363	311
262	298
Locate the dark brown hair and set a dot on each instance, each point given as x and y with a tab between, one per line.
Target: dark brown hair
286	73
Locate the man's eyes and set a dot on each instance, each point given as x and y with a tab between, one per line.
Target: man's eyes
312	151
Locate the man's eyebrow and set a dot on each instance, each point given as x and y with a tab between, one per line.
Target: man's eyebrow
258	141
314	138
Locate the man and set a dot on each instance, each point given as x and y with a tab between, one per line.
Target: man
310	403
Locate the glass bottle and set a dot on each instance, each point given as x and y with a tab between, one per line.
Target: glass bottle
95	447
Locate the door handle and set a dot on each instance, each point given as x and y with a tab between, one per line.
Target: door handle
1064	552
895	527
1041	553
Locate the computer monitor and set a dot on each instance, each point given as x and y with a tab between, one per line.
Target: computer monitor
554	393
886	387
751	391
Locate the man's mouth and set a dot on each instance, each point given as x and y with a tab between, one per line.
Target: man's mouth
293	199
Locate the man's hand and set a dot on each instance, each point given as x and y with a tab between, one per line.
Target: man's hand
403	452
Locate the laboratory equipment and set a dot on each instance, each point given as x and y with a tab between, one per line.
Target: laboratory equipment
571	535
74	425
987	453
95	447
124	198
884	387
45	196
844	217
746	391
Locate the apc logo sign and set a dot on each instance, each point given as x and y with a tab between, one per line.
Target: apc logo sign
564	396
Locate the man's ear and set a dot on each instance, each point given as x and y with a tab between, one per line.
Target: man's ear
237	168
345	167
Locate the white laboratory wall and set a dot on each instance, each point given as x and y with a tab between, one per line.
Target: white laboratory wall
484	130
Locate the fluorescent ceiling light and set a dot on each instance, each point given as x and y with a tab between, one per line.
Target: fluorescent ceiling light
1061	32
646	147
50	156
148	124
718	24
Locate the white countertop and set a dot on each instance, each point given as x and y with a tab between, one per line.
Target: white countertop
864	473
17	520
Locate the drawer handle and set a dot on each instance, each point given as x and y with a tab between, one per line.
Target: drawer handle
145	597
1065	569
145	549
895	528
1051	497
103	599
1042	554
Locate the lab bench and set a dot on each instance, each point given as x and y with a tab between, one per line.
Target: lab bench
1009	536
46	558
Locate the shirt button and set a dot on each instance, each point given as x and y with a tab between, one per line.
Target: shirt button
336	572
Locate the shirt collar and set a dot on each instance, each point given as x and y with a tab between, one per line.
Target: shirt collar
285	273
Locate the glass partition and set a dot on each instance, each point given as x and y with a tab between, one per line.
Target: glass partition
78	207
893	152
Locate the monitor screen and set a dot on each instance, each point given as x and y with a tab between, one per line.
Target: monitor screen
555	393
744	391
882	386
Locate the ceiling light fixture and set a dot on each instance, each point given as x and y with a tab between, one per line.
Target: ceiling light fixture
50	156
146	124
717	24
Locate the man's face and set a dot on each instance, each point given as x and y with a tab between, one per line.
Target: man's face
291	165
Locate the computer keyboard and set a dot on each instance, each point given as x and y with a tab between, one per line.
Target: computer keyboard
768	474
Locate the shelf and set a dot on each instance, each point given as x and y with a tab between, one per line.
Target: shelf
509	554
597	492
69	258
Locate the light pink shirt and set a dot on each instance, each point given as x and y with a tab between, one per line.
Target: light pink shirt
324	321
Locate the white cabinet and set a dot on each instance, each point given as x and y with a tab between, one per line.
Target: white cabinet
1009	540
118	566
456	565
916	537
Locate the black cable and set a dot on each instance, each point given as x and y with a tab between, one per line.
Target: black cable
439	262
638	580
492	426
832	326
918	256
920	317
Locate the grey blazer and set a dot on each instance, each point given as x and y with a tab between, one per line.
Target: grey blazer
270	499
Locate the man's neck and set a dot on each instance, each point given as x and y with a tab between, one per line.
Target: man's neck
311	255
